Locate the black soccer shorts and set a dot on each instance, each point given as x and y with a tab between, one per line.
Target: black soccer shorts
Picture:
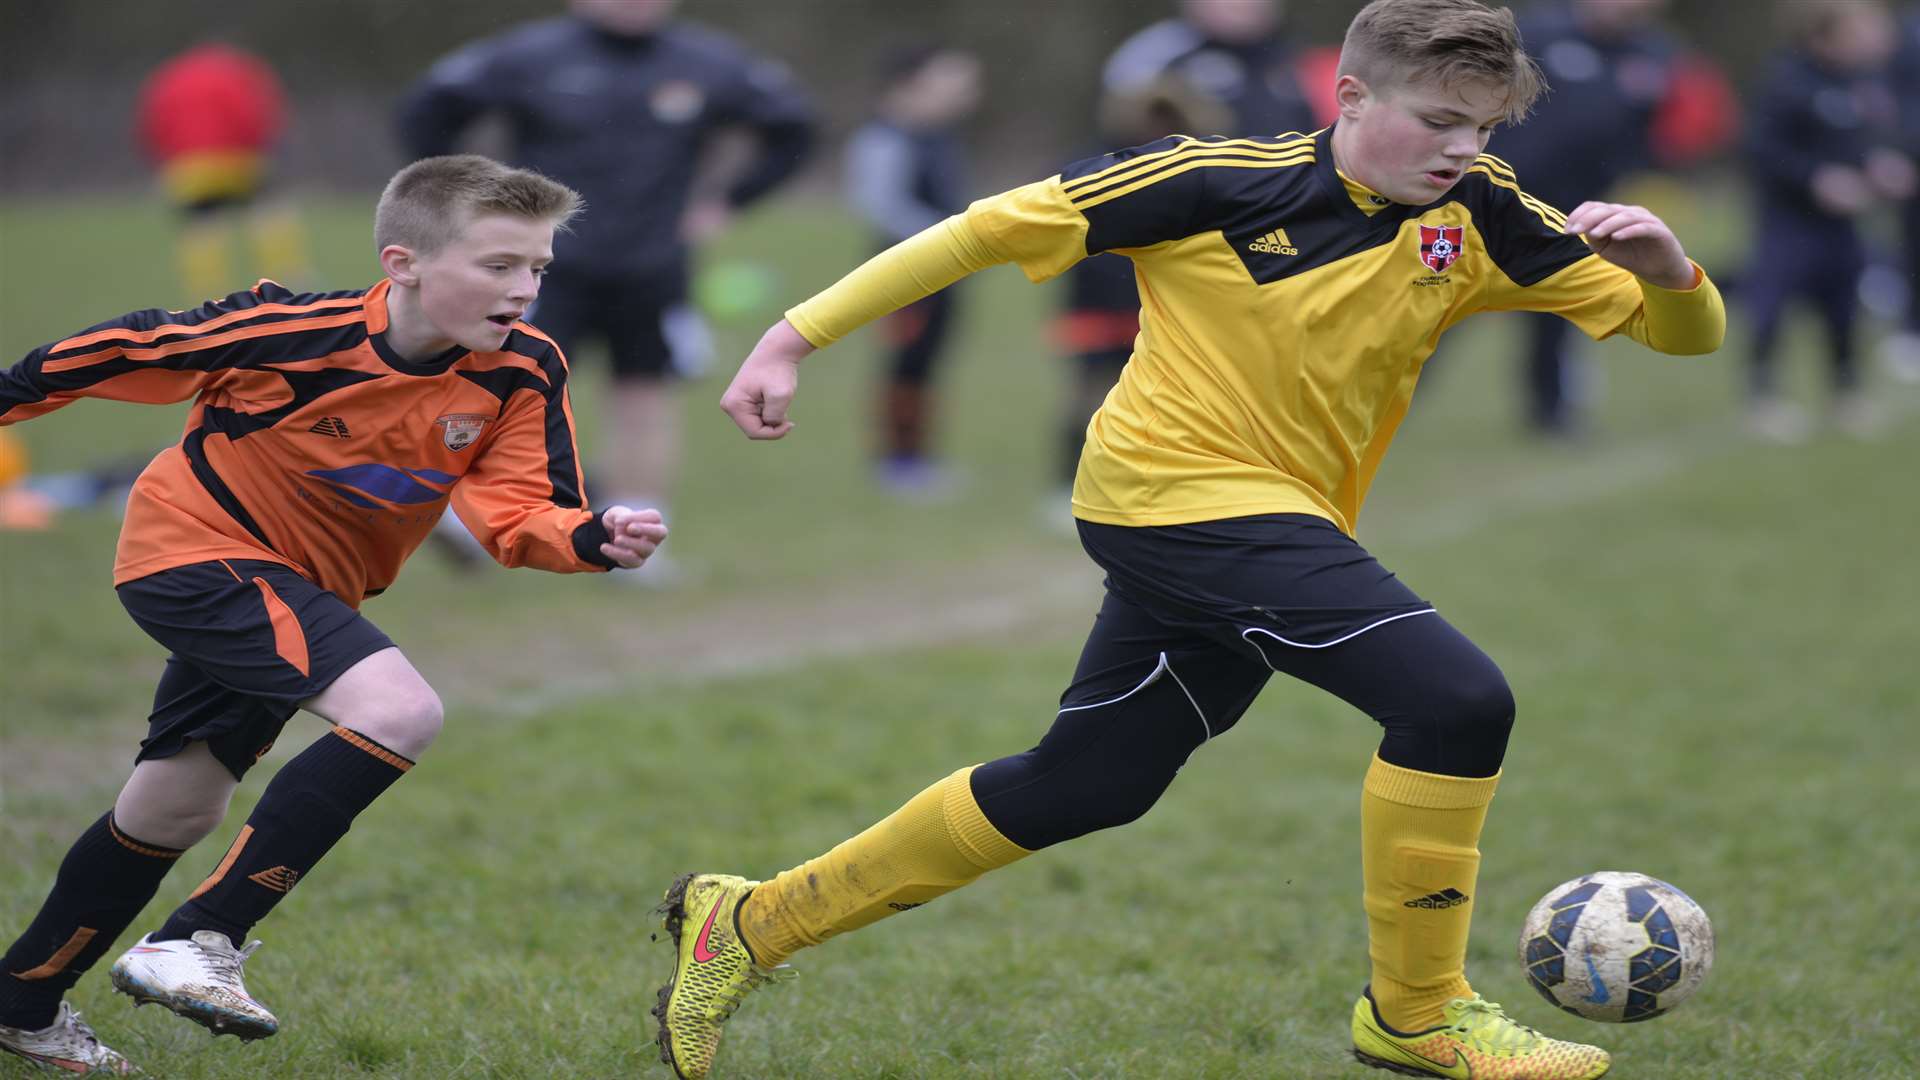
650	328
251	640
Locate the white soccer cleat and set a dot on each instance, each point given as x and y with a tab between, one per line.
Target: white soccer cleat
199	979
67	1044
1778	421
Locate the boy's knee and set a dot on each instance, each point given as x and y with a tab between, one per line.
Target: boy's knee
405	722
179	822
1471	719
1479	701
1037	800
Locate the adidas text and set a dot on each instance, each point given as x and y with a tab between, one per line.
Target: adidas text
1274	243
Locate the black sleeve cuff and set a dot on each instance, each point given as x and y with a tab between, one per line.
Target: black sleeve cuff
587	539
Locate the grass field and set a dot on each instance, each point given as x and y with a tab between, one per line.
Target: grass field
1712	644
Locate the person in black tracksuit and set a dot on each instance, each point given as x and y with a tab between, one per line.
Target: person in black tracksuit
906	170
1609	66
1903	349
618	102
1820	152
1220	67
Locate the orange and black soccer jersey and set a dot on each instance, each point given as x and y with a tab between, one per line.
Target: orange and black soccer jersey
312	443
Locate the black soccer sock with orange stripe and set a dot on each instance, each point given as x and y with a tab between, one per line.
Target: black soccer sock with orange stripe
308	807
104	881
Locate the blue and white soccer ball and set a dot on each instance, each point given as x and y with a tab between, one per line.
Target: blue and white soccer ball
1617	947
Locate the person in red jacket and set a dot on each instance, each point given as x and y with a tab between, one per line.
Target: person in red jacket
209	120
329	432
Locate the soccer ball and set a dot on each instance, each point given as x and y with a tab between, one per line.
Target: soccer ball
1615	946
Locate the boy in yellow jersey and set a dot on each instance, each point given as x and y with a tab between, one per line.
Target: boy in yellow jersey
1290	287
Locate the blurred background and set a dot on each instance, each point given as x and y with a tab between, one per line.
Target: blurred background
66	123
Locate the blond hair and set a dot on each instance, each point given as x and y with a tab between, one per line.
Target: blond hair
1442	42
428	203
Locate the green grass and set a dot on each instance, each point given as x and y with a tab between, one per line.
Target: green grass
1711	644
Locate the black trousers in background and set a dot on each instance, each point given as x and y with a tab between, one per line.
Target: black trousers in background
1800	254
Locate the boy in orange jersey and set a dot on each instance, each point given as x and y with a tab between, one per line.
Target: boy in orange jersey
329	432
1291	288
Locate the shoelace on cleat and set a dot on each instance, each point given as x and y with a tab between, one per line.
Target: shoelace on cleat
82	1030
226	961
728	998
1487	1027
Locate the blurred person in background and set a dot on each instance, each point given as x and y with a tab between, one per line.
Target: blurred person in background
618	100
209	119
1902	349
1822	154
1235	51
1609	66
905	171
1219	67
1102	313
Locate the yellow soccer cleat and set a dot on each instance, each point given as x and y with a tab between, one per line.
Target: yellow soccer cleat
1478	1041
712	970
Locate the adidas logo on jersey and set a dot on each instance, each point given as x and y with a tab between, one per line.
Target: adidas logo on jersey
1274	243
1446	898
331	425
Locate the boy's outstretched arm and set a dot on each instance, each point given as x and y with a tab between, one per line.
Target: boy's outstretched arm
1130	199
156	356
524	498
916	267
761	390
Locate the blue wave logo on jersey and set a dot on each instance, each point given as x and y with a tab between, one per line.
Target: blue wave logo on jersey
362	484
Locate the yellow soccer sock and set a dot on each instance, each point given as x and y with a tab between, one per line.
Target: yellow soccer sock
280	246
1419	859
202	253
939	841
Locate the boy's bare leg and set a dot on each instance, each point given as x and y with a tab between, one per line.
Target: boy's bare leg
383	714
175	801
109	874
384	699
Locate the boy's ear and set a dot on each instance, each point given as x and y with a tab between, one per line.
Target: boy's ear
1351	93
401	264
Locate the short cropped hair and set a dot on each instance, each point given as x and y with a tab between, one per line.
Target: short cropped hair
428	203
1443	42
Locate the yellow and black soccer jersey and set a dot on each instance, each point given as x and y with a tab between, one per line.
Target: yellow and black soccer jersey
1285	312
312	443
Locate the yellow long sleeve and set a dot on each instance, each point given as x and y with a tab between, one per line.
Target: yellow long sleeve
1679	322
916	267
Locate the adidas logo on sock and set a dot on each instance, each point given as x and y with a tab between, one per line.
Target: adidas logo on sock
1445	898
1274	243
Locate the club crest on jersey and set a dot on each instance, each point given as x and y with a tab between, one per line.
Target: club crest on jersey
1440	245
459	430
